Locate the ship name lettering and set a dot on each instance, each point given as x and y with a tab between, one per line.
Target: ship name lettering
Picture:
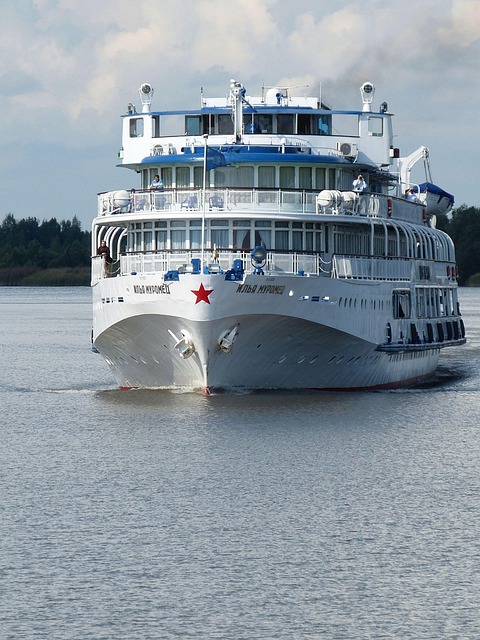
246	288
271	288
263	288
152	288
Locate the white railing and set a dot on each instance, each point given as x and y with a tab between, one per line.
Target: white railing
371	205
180	200
367	268
341	266
150	262
263	201
161	262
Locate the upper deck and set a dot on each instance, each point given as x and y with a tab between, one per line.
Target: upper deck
146	204
277	126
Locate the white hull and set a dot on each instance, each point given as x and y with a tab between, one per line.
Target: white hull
281	341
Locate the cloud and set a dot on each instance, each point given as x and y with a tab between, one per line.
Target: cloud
68	68
464	28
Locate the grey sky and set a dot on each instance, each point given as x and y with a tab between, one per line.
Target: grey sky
68	69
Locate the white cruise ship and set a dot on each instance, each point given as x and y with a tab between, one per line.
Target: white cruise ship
245	259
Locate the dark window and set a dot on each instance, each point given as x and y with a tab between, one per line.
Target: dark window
304	123
285	123
401	304
225	124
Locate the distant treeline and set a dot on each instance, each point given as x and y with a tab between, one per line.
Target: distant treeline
58	253
464	229
44	253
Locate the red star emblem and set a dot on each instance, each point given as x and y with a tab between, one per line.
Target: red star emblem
202	294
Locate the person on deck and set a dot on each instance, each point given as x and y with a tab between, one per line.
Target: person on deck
157	183
157	186
359	185
360	188
410	195
104	251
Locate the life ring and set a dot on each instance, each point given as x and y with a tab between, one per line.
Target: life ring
424	215
389	207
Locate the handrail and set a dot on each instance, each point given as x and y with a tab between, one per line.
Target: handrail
187	199
349	267
258	201
147	262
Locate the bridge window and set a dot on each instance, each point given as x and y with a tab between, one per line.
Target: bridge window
304	123
285	123
136	127
324	125
156	127
264	123
193	125
375	126
250	125
225	124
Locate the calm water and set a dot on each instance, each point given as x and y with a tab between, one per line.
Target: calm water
138	515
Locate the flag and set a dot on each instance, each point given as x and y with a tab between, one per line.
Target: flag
213	159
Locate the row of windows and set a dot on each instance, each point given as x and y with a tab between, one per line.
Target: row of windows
367	305
279	235
284	123
248	176
182	234
356	241
263	123
431	302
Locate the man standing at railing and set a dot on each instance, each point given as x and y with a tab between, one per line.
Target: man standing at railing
157	183
104	251
360	188
157	186
359	185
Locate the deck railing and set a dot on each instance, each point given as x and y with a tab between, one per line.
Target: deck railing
221	260
149	262
370	268
258	201
184	200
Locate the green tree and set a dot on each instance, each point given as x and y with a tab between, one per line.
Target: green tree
42	246
464	229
